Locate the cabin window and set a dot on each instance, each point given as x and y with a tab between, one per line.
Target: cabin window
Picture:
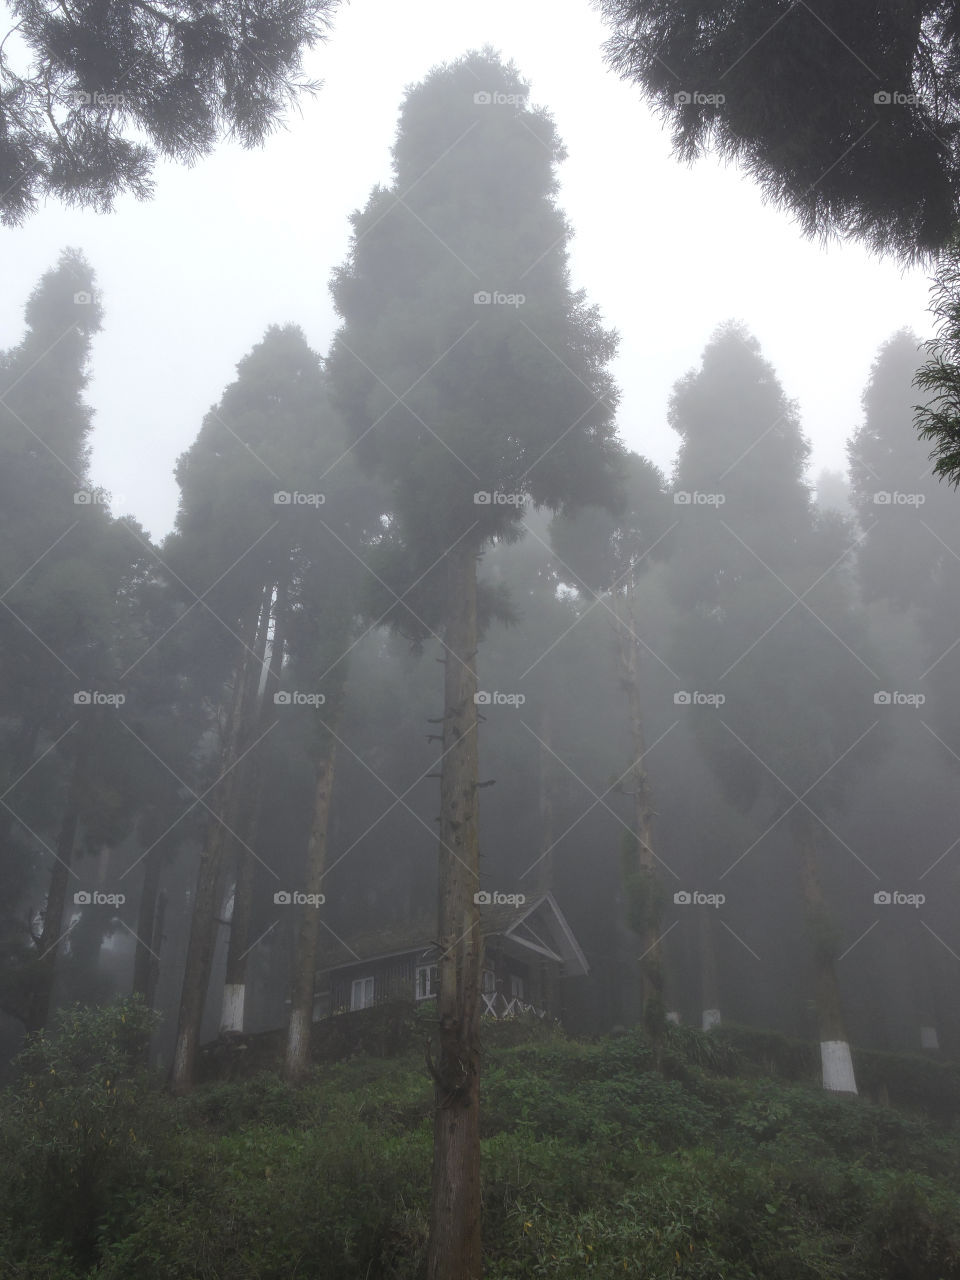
426	981
361	993
516	987
489	982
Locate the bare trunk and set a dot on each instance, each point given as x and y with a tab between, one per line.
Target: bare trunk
637	784
544	877
22	750
244	820
48	947
305	960
144	959
709	976
203	923
925	990
835	1057
454	1251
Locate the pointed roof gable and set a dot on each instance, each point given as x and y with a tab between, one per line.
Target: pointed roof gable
538	926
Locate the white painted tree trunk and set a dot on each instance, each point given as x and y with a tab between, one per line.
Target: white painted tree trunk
837	1066
710	1019
231	1018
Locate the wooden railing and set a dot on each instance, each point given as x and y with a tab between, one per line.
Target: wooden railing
500	1006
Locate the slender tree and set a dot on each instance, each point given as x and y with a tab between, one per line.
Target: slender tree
470	375
767	624
605	556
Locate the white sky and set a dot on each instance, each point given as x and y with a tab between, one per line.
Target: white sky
249	238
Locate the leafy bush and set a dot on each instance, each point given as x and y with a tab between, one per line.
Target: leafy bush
72	1141
592	1163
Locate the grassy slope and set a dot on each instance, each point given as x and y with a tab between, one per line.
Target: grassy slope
592	1164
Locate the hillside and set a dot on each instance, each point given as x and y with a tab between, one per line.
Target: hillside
730	1163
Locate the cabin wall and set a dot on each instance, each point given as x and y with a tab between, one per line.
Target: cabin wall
395	979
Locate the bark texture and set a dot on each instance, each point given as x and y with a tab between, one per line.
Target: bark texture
454	1247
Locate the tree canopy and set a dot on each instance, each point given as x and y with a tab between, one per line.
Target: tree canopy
91	93
846	112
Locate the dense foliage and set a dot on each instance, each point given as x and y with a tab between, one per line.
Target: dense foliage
729	1162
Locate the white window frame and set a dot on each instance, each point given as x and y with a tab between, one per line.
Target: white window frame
427	990
516	987
359	992
488	983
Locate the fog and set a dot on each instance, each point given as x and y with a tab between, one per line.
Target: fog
467	575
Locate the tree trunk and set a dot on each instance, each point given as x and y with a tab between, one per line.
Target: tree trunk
143	960
925	990
637	784
22	751
709	975
544	876
835	1057
244	821
203	923
41	995
454	1251
305	959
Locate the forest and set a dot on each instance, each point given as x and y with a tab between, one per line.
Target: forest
460	846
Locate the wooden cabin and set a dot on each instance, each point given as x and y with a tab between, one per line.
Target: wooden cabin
528	951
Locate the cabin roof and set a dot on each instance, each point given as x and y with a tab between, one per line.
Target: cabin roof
537	927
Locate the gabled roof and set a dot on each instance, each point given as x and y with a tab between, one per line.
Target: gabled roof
538	927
